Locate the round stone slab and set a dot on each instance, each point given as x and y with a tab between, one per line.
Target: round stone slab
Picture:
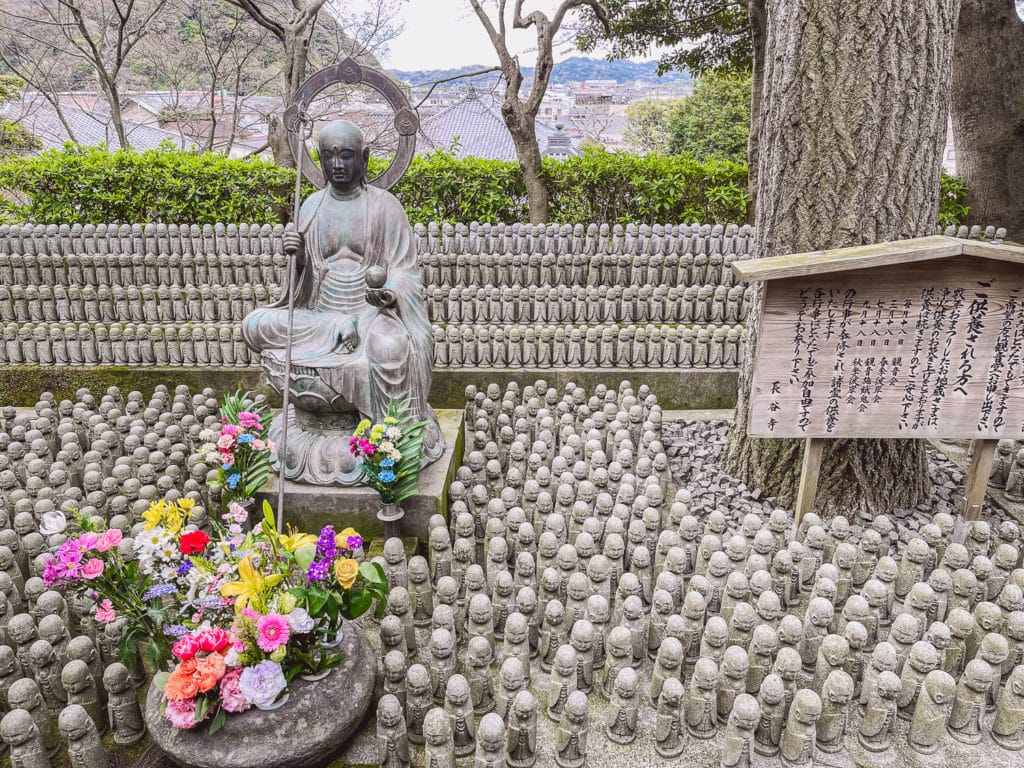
311	726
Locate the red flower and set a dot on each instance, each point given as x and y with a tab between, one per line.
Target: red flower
213	639
186	647
193	542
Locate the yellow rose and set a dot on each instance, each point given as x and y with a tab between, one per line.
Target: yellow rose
345	571
341	539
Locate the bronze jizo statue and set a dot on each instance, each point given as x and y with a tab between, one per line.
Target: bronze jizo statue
360	334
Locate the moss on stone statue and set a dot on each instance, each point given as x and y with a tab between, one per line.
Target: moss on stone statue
689	388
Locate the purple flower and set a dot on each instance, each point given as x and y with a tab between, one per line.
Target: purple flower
354	543
325	546
263	683
160	590
318	569
184	568
175	630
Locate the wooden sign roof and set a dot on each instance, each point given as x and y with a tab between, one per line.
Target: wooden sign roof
870	256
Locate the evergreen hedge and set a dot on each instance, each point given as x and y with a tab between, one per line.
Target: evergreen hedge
94	185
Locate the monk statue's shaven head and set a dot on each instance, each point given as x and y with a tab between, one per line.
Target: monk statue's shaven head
343	155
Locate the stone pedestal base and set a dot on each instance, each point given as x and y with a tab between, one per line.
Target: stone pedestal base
309	507
318	451
308	730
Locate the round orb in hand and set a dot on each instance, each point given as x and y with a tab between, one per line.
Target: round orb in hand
376	277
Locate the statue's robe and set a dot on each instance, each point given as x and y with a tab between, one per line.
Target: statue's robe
394	352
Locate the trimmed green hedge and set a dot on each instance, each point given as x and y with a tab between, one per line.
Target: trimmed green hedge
94	185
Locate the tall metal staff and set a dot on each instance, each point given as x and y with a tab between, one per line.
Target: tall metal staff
301	127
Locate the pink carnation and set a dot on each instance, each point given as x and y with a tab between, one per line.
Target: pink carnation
182	714
110	539
92	569
231	697
186	647
105	612
229	429
213	639
225	441
249	419
274	631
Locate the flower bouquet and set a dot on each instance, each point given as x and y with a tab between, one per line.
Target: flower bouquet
241	449
247	612
389	453
91	564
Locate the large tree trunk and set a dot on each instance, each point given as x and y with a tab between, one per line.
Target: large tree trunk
294	74
988	112
523	128
758	33
851	129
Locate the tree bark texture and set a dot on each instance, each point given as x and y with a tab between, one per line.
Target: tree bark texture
524	136
988	112
758	32
850	134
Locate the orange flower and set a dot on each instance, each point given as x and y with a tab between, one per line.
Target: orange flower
180	687
207	680
345	571
212	665
188	666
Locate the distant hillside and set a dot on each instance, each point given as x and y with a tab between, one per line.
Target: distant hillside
574	69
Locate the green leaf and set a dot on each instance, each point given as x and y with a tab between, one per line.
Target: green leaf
359	603
304	556
160	680
372	572
218	721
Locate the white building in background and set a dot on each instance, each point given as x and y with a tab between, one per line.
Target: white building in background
949	151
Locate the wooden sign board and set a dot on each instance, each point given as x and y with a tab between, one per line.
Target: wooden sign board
892	345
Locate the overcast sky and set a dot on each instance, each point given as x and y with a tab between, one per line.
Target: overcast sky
440	34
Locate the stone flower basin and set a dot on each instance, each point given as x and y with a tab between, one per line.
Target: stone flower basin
312	725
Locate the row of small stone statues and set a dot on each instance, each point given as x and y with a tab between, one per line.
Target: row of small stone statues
539	346
1007	474
601	346
160	254
474	238
94	270
727	645
109	458
128	344
487	304
720	610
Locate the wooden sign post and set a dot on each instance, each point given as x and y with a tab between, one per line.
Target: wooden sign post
912	339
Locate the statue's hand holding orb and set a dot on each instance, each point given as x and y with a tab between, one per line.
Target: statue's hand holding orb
376	294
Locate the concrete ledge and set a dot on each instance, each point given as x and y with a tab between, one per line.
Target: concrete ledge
309	507
677	388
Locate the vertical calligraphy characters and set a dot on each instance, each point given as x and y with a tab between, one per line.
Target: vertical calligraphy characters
895	345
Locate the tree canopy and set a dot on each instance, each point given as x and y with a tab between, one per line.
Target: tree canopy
714	121
700	36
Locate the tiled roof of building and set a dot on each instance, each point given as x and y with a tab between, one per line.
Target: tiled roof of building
476	125
41	119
